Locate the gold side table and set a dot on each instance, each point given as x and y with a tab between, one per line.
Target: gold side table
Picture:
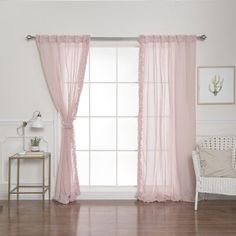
18	187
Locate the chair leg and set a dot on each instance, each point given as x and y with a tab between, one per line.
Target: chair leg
196	201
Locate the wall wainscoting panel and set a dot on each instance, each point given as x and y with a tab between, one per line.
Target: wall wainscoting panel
215	127
11	143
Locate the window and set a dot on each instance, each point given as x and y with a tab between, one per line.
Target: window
106	123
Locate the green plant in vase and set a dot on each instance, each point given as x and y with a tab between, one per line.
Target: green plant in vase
35	144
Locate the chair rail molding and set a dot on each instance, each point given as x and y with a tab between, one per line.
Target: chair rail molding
13	122
215	122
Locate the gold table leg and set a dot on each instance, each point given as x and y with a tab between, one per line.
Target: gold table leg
9	179
49	177
43	180
18	178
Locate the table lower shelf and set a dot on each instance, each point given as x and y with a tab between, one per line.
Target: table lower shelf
16	190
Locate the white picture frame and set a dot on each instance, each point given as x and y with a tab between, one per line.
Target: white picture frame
216	85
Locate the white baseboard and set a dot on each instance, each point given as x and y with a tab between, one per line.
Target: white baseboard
83	196
87	193
107	196
107	193
111	196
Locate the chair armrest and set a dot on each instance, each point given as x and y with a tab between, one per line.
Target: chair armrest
196	164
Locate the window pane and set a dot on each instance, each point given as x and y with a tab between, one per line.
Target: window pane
128	64
103	133
103	99
83	167
127	99
82	133
103	168
83	108
127	168
103	64
127	134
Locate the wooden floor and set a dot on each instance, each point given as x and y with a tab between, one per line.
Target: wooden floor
117	218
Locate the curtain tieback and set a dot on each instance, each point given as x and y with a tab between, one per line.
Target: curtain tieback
67	125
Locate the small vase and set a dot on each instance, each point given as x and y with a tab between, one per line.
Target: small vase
34	148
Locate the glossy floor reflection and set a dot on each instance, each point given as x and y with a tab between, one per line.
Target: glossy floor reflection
117	218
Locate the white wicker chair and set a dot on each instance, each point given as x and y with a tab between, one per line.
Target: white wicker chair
215	185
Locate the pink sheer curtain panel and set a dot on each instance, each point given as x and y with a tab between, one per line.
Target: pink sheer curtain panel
63	60
166	121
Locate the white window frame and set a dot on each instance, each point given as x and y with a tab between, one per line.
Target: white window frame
116	191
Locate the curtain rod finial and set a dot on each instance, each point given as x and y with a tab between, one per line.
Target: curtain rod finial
202	37
28	37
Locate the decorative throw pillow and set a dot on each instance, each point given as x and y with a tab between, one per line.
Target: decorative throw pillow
216	163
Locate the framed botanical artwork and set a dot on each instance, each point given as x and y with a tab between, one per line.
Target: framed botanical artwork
216	85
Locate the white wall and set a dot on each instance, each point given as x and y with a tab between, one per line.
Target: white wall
22	87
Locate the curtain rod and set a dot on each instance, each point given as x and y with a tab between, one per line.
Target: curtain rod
200	37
